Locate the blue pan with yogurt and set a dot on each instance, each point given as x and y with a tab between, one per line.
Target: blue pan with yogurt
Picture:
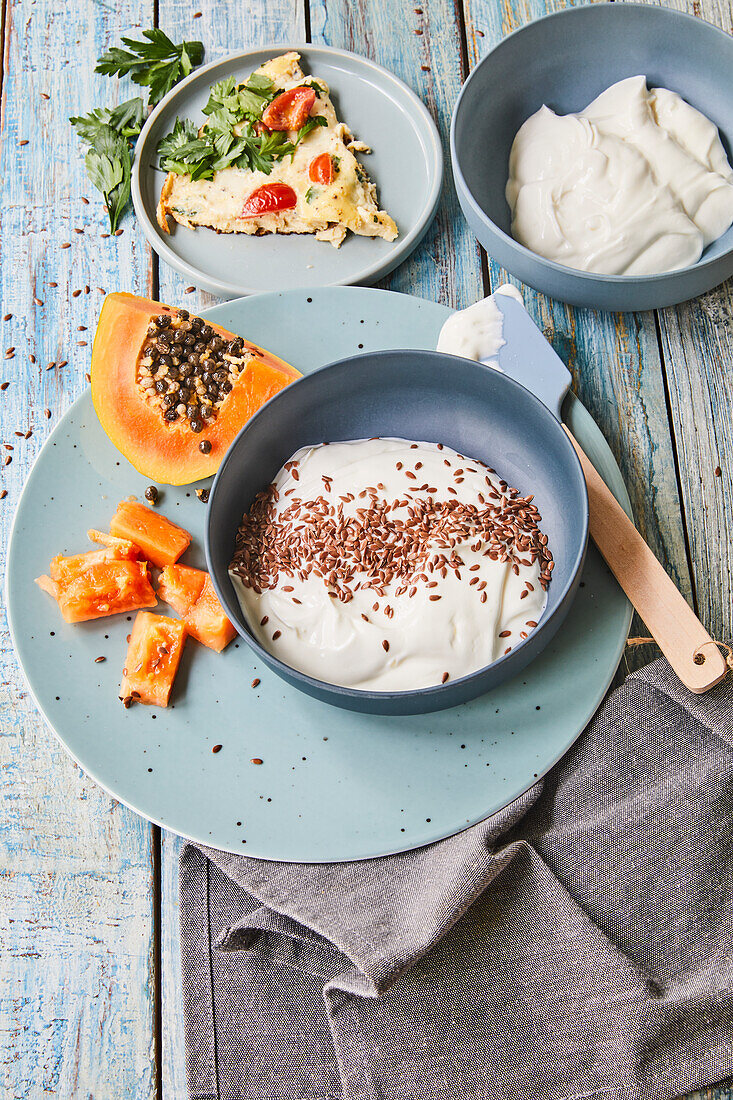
565	60
478	411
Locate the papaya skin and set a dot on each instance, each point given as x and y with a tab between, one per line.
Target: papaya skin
168	453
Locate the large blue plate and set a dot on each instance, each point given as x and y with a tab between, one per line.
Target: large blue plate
334	785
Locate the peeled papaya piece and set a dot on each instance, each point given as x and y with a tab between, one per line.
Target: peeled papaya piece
105	586
172	390
206	621
191	593
160	540
64	569
180	586
153	656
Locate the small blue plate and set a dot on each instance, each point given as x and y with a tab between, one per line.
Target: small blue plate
334	785
406	164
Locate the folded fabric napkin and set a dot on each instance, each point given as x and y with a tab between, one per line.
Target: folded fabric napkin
577	944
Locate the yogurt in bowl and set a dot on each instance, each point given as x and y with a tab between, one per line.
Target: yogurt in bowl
394	399
390	565
637	183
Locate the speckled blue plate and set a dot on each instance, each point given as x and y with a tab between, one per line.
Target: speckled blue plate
406	164
334	785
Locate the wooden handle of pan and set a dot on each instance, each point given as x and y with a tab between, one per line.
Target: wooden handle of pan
669	618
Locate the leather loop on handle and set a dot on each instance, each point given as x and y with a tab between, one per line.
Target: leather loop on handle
669	618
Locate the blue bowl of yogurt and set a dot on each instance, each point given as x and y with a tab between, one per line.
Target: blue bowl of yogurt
566	61
327	639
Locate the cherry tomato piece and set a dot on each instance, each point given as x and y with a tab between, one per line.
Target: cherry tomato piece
321	169
268	199
289	110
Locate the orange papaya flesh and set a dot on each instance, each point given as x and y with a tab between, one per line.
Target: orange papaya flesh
105	587
160	540
63	569
206	621
122	548
180	586
191	593
153	656
165	452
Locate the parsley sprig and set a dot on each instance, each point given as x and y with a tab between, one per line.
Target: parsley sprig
230	137
155	63
110	133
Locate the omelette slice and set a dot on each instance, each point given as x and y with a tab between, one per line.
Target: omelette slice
314	184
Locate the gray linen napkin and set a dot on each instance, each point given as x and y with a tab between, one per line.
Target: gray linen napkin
577	944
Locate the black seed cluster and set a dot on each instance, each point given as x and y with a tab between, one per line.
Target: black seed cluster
187	369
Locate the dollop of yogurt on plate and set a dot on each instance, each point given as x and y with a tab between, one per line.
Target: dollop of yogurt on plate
390	565
635	184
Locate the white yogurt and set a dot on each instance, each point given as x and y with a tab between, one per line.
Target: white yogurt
450	626
477	332
636	183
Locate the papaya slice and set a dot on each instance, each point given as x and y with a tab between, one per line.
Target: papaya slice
153	655
160	540
180	586
105	586
206	621
172	390
64	569
191	593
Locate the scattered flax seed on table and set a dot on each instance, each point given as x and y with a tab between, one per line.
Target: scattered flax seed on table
256	682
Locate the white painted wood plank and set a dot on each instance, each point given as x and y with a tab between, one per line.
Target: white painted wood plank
76	1012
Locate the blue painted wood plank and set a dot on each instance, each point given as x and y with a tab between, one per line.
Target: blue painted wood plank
697	341
614	358
76	1013
223	28
421	44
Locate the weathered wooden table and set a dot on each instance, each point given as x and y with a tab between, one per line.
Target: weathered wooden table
89	997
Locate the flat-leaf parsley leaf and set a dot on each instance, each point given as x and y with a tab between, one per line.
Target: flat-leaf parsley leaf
110	133
155	63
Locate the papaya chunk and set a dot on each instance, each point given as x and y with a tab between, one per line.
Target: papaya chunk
63	569
159	428
191	593
122	548
106	586
207	622
160	540
180	586
153	656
